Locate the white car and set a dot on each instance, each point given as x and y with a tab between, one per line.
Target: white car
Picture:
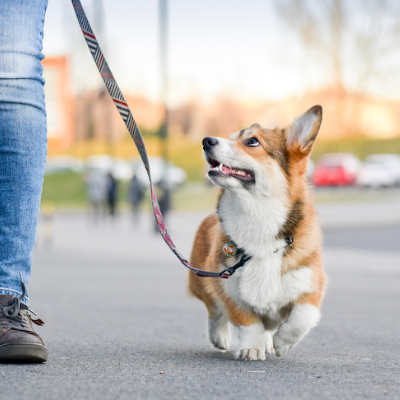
119	168
336	169
310	169
59	164
168	176
380	170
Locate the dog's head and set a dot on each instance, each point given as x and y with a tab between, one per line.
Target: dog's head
263	160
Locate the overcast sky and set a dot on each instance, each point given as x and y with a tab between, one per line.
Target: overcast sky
230	48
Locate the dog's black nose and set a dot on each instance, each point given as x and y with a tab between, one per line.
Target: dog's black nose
208	142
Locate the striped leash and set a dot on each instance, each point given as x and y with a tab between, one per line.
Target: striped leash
120	102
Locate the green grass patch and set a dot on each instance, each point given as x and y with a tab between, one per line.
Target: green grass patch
195	196
67	190
188	155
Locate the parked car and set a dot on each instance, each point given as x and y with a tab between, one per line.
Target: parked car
310	169
59	164
380	170
336	169
100	161
169	178
119	168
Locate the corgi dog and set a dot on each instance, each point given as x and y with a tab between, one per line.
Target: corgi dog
265	211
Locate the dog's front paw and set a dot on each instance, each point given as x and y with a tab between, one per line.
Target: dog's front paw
251	342
250	354
282	345
269	343
219	333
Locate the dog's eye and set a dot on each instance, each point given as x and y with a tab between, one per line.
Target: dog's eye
252	142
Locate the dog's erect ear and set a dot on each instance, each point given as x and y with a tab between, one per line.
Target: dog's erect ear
302	133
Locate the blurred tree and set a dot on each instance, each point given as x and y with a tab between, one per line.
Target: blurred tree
184	117
90	133
358	40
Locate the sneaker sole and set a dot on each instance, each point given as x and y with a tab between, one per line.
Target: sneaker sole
29	353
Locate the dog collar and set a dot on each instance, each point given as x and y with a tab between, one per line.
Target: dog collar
230	248
288	241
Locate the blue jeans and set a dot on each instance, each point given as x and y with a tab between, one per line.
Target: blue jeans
23	141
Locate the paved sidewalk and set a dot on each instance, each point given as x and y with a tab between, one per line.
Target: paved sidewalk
120	325
343	215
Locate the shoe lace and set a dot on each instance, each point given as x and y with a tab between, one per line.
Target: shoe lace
11	315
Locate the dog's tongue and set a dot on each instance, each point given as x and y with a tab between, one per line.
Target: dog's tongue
236	172
226	170
231	171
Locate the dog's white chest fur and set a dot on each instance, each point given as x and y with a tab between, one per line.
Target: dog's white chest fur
259	285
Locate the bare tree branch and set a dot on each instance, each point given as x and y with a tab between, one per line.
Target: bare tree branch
358	39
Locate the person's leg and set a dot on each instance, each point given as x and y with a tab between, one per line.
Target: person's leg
22	137
22	161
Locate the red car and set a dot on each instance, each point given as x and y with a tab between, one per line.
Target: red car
336	169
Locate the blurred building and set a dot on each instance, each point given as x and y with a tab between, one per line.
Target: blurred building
346	115
59	103
97	116
92	115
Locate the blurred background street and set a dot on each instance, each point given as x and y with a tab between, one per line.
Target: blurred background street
188	71
119	322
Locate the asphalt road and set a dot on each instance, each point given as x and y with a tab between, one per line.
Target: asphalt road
120	325
382	238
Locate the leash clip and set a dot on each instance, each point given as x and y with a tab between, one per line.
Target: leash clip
227	272
288	241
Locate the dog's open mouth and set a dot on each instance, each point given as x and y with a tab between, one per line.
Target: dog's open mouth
218	169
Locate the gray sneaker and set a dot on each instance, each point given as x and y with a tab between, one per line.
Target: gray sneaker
18	341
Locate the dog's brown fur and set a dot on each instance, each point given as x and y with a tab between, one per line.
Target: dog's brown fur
301	225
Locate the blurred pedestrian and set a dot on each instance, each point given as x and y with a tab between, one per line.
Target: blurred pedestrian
112	194
23	146
96	188
136	195
165	202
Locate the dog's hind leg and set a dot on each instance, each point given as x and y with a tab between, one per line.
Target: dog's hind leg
302	318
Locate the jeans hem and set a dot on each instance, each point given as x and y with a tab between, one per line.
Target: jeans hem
15	294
